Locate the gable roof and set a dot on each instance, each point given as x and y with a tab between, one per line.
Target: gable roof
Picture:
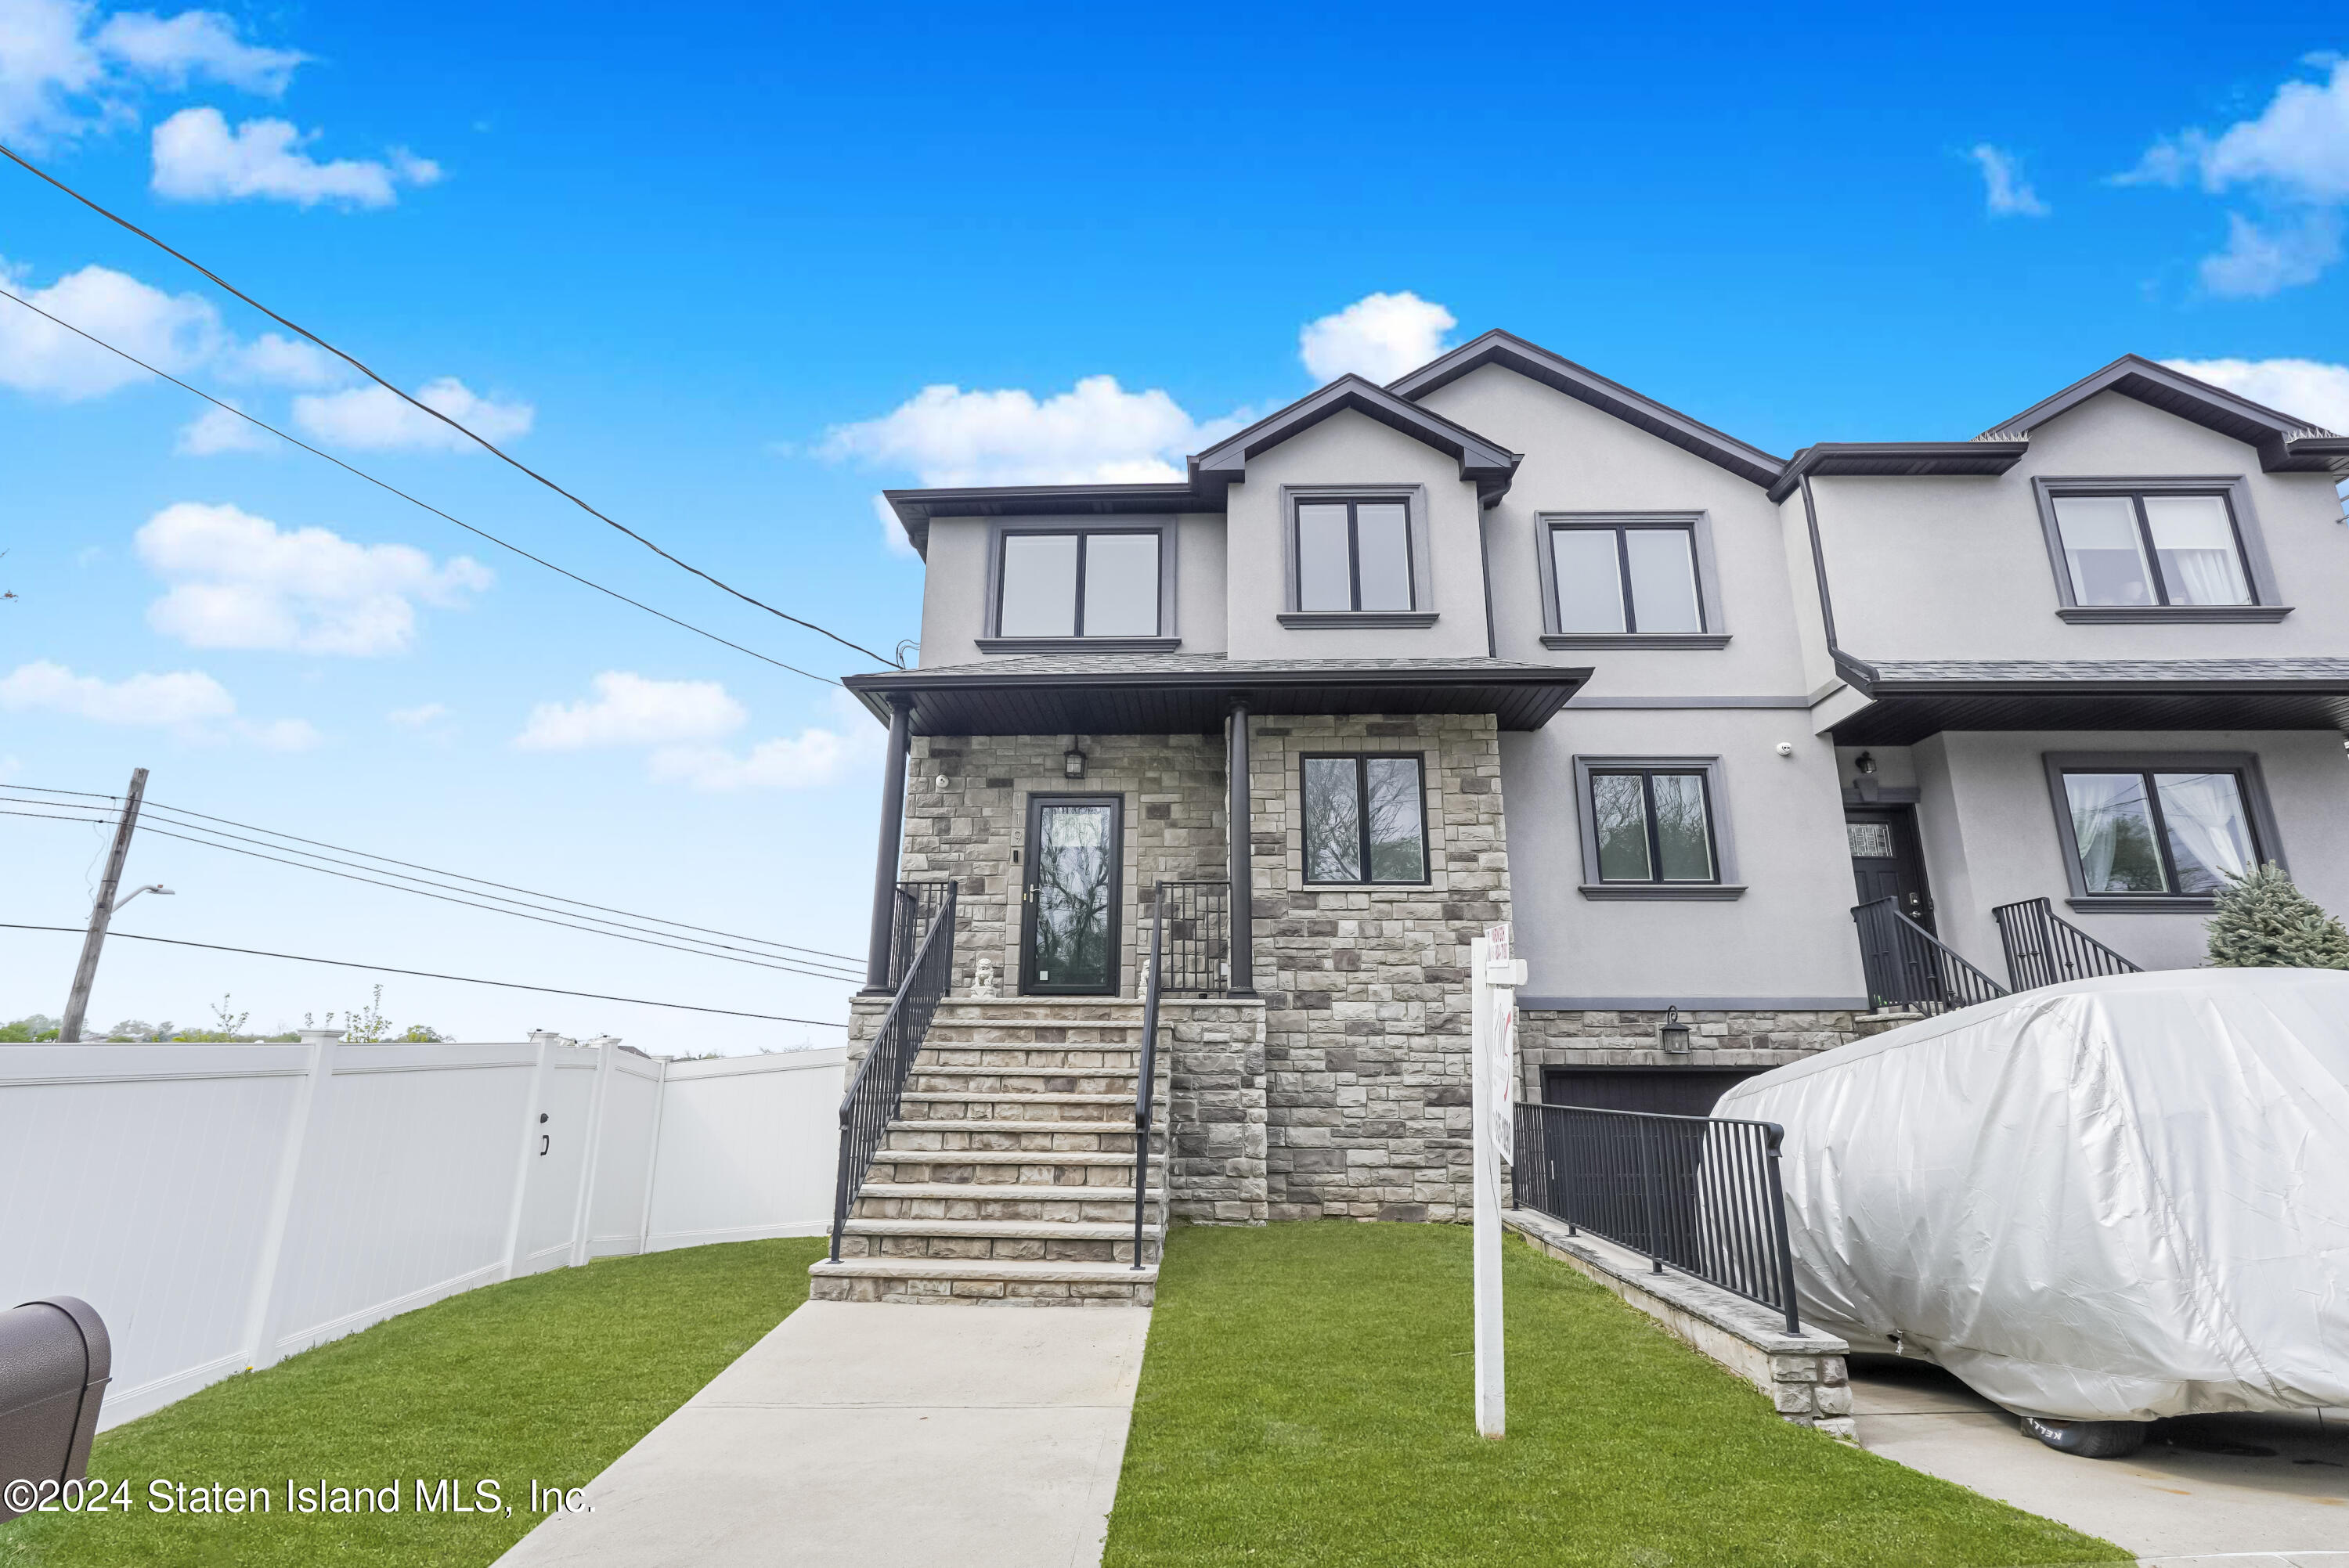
1490	465
1539	364
2285	444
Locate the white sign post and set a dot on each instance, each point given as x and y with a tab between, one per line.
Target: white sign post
1495	975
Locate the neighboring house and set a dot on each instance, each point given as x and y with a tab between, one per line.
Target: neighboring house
1507	640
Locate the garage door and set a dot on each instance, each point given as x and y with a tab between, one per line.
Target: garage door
1666	1091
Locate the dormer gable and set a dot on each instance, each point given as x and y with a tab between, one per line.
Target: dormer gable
1486	464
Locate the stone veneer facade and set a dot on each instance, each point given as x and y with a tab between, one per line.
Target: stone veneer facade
1343	1092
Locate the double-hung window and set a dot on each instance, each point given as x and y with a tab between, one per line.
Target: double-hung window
1365	820
2151	830
2152	548
1653	825
1629	577
1354	557
1079	584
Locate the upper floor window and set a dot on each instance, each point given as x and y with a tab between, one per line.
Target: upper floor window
1080	583
2152	548
1354	556
1365	819
1626	577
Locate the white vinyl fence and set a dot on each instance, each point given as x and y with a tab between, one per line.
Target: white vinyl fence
223	1206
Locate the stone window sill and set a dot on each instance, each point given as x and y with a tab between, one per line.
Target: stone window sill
1078	645
2141	903
1340	620
1635	639
1718	892
2172	614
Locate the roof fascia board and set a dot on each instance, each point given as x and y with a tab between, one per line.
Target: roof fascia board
915	507
1490	465
1586	386
1898	459
2283	442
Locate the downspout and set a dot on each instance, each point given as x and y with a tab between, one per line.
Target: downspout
1484	565
1860	676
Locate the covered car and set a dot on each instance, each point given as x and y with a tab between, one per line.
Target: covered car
2114	1200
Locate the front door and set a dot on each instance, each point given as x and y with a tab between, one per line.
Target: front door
1068	922
1885	863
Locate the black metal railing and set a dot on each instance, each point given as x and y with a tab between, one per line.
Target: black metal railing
1146	1084
1908	967
915	910
1700	1194
879	1085
1197	916
2043	948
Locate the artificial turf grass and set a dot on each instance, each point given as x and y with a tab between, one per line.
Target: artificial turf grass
1306	1400
550	1378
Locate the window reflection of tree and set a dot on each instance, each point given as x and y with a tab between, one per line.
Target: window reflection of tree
1333	824
1396	854
1072	871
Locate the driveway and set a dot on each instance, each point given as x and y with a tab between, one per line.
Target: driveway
2249	1492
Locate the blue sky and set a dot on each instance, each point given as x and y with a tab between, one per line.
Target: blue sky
700	266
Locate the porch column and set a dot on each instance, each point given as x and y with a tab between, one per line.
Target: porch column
892	831
1236	820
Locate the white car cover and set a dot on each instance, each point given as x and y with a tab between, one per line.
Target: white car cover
2113	1200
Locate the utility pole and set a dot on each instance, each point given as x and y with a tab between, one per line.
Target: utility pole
86	972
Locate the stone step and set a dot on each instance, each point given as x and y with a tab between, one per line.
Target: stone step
945	1281
951	1055
998	1240
1036	1202
1007	1107
953	1168
1058	1129
1029	1138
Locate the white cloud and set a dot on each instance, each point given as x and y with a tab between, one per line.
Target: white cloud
63	72
2007	194
680	723
184	700
175	333
217	431
893	532
372	419
238	581
417	717
199	159
278	734
2261	261
628	710
1096	432
195	44
2293	157
1379	336
2307	389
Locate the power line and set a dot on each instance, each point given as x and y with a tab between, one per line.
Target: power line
508	887
97	821
395	489
43	789
429	975
424	407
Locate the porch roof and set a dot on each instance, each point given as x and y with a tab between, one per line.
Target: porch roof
1917	697
1189	693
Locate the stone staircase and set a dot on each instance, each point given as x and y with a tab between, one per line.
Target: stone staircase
1007	1177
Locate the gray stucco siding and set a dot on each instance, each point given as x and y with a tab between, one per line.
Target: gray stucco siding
1959	568
1789	935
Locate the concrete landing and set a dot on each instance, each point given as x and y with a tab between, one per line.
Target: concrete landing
862	1433
2245	1491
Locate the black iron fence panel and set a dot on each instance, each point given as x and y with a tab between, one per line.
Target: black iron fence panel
2043	948
1197	917
1146	1084
917	908
879	1086
1908	967
1700	1194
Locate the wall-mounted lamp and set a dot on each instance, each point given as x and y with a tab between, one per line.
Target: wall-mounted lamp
1672	1033
1073	761
1865	762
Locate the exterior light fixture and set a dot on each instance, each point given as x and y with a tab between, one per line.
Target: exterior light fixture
1073	761
1865	762
1674	1033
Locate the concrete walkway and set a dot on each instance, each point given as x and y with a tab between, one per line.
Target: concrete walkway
2245	1491
863	1434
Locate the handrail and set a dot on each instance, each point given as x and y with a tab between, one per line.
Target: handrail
2043	948
879	1086
1700	1192
1146	1084
1909	966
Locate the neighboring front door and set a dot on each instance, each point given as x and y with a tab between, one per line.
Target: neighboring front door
1069	904
1885	863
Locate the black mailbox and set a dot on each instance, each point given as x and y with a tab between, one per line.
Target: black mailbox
55	1359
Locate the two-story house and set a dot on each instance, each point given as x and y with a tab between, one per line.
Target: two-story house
1506	640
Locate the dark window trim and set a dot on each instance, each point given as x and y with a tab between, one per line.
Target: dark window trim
1724	886
1711	618
2266	844
1363	818
1354	610
992	639
1647	777
1413	500
2251	547
1036	802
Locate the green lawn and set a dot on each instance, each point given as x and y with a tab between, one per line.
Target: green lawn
547	1378
1305	1401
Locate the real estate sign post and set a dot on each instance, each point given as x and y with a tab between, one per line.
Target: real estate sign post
1496	975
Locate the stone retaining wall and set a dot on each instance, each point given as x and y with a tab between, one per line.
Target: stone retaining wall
1551	1038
